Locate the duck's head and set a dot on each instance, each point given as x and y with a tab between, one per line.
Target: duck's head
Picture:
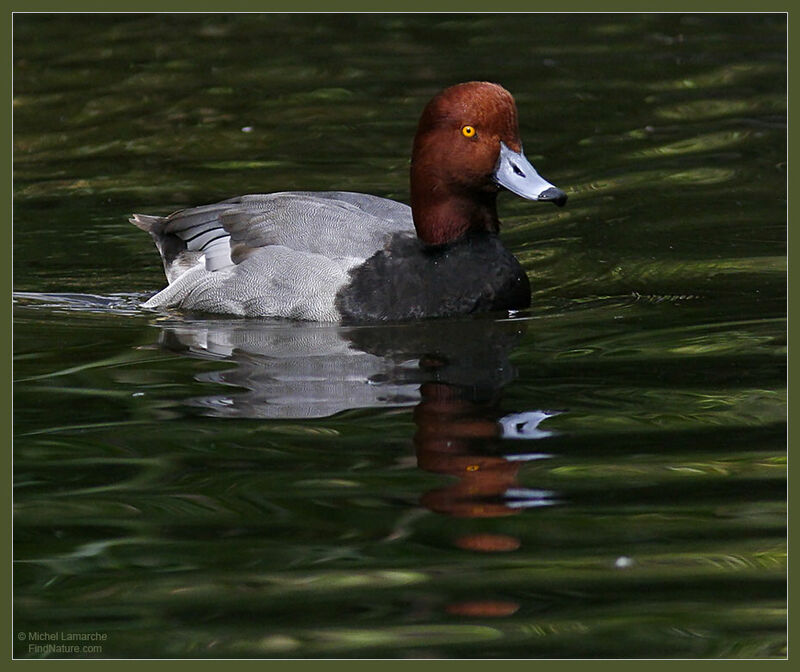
466	149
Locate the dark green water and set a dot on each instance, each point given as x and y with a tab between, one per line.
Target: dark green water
601	476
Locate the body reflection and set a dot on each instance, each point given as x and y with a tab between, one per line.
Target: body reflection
308	370
452	372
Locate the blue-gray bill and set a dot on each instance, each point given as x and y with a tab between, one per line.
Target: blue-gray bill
515	173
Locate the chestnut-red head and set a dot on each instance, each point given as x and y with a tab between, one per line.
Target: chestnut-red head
466	148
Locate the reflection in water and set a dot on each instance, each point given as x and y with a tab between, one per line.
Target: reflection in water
289	370
302	370
452	372
458	436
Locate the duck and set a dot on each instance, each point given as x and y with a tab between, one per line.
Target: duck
347	257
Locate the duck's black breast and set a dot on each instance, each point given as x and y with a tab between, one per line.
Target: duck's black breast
408	280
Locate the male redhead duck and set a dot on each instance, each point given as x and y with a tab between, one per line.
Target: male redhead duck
343	256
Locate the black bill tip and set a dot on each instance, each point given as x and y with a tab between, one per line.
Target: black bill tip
554	195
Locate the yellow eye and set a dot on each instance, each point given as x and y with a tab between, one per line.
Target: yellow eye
468	131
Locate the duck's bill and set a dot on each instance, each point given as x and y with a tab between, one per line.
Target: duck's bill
515	173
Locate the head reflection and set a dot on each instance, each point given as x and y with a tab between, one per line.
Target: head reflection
463	437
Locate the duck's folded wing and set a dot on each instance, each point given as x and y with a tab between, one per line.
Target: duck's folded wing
334	224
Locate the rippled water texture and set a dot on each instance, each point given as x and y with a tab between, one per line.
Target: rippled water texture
600	476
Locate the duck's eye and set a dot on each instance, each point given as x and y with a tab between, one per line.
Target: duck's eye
468	131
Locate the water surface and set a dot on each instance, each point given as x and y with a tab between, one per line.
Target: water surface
600	476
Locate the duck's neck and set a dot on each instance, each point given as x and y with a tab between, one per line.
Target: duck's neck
441	216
